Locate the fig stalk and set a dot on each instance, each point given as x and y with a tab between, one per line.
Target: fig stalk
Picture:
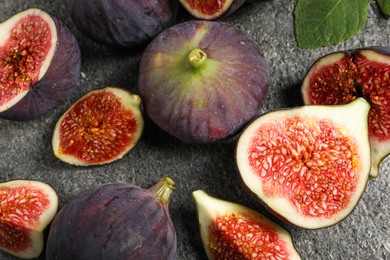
163	190
197	58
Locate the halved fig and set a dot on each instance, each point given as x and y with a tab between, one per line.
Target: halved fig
39	64
27	207
309	164
202	81
115	221
99	128
121	23
340	77
232	231
211	9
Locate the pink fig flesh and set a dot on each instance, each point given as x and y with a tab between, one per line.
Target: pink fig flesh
310	164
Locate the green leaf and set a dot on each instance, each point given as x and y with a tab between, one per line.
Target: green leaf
385	6
326	22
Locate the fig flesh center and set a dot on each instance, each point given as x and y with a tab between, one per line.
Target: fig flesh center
21	58
20	211
237	237
309	162
207	7
97	128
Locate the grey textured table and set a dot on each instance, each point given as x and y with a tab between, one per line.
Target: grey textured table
25	147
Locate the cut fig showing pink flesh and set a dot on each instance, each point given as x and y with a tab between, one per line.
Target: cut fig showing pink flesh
99	128
339	78
39	64
211	9
309	164
27	207
232	231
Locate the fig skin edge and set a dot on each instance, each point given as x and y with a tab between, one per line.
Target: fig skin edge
59	80
264	204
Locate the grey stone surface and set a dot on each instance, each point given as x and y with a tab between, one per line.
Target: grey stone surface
25	147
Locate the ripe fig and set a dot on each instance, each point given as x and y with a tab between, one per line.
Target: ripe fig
202	81
211	9
39	64
340	77
232	231
309	164
27	207
122	23
115	221
99	128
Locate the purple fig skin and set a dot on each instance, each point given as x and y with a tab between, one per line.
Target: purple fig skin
122	23
217	101
58	82
113	221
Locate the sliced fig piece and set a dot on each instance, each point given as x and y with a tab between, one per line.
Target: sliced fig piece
202	81
232	231
27	207
115	221
39	64
309	164
211	9
122	23
99	128
340	77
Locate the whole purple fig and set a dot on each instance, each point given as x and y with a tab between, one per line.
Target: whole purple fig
39	64
122	23
115	221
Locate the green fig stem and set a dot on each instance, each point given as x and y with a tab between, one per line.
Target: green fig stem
163	190
197	57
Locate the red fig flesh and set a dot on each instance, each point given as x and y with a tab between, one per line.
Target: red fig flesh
310	164
211	9
339	78
27	207
39	64
232	231
99	128
115	221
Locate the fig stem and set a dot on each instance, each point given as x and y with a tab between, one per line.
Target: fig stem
163	190
197	57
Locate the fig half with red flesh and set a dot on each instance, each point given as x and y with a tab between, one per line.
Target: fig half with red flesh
211	9
115	221
309	164
232	231
27	207
202	81
339	78
39	64
99	128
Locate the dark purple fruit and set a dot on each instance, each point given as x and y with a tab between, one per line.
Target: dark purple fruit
39	64
122	23
27	207
310	164
115	221
202	81
211	9
232	231
99	128
340	77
